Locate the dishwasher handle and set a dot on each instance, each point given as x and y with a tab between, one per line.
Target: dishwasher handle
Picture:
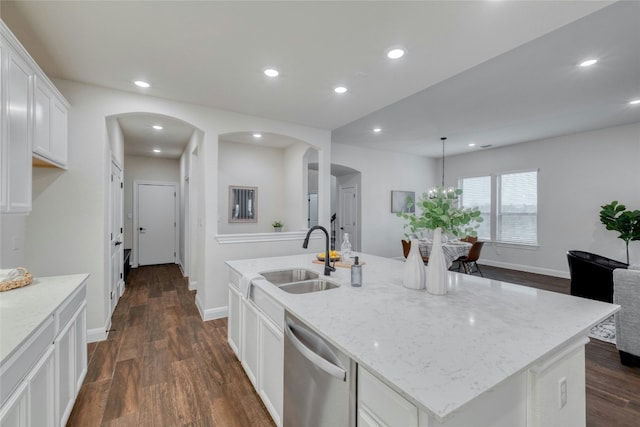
325	365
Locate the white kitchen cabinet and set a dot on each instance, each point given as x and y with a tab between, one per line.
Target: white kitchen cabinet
255	333
44	351
50	125
233	322
71	361
33	119
271	367
379	405
17	129
32	404
250	343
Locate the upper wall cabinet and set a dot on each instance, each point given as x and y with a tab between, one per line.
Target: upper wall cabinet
33	123
50	123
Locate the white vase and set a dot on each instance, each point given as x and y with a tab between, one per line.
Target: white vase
437	266
414	272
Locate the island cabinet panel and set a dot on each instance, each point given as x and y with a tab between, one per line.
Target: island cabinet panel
379	405
271	369
557	390
256	334
233	323
249	344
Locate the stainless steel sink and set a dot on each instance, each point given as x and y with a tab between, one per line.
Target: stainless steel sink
307	286
280	277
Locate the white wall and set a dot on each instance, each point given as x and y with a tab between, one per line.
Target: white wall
13	230
577	174
140	168
382	172
252	166
67	230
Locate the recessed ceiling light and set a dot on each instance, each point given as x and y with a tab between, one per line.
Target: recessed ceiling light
395	53
257	135
634	102
271	72
340	89
157	127
588	62
472	145
157	150
377	130
141	83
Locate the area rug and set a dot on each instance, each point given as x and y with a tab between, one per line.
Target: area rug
605	330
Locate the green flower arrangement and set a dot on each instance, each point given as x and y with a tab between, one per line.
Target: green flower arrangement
440	208
277	224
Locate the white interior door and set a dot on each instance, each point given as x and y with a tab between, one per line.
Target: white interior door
115	235
156	211
348	219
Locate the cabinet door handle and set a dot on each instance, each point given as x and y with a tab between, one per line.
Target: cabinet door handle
118	243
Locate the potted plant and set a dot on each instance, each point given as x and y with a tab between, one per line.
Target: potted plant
439	211
277	225
616	217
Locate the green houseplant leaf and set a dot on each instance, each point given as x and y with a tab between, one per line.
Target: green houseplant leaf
616	217
442	211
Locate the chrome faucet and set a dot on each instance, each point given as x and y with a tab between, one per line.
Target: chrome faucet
327	268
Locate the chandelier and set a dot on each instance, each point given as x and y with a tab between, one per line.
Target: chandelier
442	192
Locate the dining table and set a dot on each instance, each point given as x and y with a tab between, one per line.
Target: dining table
452	250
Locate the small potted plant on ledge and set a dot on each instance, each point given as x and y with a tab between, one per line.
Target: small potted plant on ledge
277	225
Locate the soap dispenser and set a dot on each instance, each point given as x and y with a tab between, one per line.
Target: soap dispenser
356	273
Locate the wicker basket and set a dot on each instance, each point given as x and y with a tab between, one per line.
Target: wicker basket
24	279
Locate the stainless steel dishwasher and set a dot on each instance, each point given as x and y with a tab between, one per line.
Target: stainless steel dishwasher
319	380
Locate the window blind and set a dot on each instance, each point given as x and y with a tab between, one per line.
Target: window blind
517	216
476	193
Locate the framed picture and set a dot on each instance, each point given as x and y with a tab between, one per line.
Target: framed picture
403	201
243	204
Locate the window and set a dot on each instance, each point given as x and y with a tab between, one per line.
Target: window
518	208
511	212
476	193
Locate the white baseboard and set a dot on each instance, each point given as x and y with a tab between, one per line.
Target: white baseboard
99	334
527	268
212	313
193	285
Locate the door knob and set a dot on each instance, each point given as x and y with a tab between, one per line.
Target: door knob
142	229
118	243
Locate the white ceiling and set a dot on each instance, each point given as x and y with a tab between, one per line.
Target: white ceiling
461	77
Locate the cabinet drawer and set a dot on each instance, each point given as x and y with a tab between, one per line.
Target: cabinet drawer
234	279
66	311
16	368
386	406
268	306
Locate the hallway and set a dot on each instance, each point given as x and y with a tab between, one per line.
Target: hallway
162	366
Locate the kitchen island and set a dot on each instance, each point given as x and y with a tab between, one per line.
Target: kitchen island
487	353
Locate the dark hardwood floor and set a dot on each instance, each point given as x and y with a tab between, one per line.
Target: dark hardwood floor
162	366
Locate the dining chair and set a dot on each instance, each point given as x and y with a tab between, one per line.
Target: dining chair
469	239
467	262
406	247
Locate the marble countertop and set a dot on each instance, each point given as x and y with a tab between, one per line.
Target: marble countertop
22	310
439	352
